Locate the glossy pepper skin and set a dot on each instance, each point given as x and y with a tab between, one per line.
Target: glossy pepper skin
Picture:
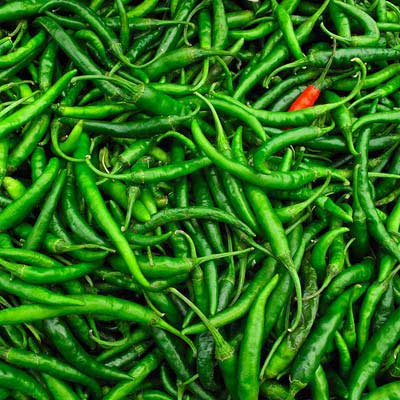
199	199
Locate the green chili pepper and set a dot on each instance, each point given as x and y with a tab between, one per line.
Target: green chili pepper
26	113
307	360
19	209
372	356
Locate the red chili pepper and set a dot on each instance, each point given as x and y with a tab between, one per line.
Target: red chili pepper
311	93
306	99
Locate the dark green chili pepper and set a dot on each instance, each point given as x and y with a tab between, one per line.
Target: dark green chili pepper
371	299
93	21
374	223
133	129
179	58
291	344
354	274
337	144
142	44
166	379
171	36
81	60
384	308
227	281
47	66
343	57
72	351
178	214
225	354
205	364
370	359
320	251
310	354
176	362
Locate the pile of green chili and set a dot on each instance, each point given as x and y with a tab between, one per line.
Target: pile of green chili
199	199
